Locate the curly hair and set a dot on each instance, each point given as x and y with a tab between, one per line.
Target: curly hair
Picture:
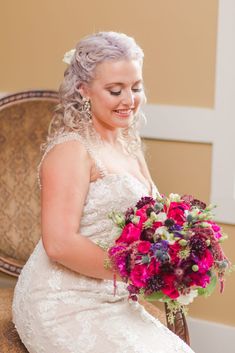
90	51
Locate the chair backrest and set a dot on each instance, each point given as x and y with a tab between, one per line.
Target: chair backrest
24	120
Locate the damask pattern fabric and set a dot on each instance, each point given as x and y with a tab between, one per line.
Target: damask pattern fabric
22	130
58	310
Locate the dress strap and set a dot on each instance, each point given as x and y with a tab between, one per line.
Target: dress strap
71	136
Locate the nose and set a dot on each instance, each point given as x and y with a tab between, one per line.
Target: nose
128	98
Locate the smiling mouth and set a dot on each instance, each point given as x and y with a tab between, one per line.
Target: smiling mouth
123	112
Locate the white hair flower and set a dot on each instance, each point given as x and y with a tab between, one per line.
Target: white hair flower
68	56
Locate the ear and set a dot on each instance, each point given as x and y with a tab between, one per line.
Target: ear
83	90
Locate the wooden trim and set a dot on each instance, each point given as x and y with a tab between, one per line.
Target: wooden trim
179	327
26	95
10	266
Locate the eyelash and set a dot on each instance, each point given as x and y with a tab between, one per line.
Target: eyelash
135	90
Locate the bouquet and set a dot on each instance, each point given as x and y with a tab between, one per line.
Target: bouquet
169	249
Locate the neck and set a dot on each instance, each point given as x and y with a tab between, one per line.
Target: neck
107	135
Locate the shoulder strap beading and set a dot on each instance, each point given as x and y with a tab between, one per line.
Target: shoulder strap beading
70	136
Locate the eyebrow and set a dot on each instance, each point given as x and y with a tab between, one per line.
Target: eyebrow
121	83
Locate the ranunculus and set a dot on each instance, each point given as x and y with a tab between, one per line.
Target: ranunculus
129	234
144	247
174	250
176	212
169	288
139	275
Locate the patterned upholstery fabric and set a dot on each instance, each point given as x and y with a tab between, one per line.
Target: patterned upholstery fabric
23	127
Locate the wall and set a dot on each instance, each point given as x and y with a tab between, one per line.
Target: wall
179	39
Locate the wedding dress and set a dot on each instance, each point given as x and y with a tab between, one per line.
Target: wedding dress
56	310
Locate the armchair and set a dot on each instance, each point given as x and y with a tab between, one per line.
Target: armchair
24	118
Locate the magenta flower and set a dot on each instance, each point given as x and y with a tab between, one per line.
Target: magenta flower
144	247
129	234
176	212
139	275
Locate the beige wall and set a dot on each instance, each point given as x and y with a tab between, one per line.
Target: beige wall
185	168
179	40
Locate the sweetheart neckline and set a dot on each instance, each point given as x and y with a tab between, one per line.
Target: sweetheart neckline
149	192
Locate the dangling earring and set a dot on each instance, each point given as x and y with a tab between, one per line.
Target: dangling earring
86	106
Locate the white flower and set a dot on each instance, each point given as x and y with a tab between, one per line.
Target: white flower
188	298
174	197
161	217
68	56
163	232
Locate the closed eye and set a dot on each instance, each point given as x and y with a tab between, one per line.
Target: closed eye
117	93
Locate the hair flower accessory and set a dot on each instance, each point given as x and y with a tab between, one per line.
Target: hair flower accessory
68	56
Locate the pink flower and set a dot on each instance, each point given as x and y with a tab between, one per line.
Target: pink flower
199	280
153	267
142	214
206	262
176	212
139	275
157	225
144	247
174	250
129	234
169	288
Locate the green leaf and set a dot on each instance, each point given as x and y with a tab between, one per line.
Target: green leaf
209	288
154	296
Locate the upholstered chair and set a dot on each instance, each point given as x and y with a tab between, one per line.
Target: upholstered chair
24	119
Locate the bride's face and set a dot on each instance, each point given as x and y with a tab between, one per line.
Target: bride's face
116	93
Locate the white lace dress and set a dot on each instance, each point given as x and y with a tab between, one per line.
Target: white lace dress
56	310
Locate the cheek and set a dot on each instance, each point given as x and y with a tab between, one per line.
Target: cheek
140	100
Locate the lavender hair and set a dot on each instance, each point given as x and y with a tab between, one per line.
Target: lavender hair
90	51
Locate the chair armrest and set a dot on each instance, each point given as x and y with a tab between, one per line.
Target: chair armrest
179	327
10	266
154	311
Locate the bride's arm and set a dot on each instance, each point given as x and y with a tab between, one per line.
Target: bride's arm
65	176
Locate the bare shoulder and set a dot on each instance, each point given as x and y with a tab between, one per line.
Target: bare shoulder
66	162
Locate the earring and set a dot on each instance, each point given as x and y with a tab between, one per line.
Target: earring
86	106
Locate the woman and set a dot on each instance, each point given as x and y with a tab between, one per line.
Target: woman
92	164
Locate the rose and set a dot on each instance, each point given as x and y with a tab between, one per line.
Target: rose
139	275
176	212
169	288
144	247
129	234
141	213
174	250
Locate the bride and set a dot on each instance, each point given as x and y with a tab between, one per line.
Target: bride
92	164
